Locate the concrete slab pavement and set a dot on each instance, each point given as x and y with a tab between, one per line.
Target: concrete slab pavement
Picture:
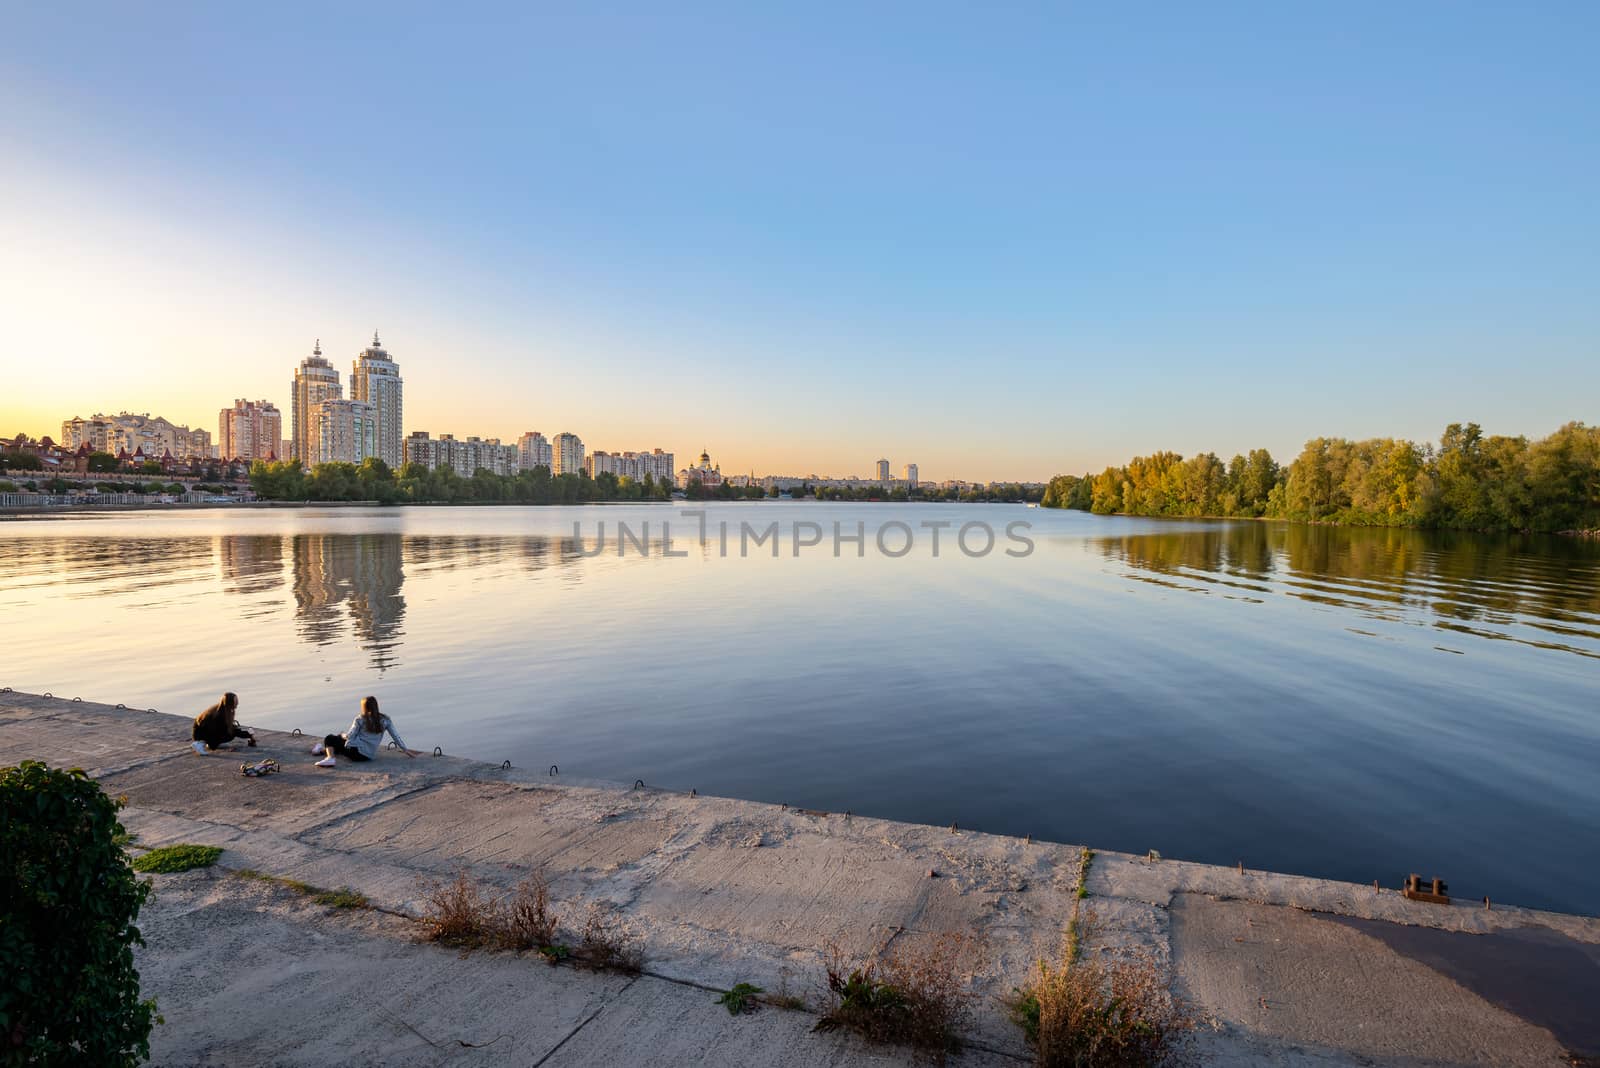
720	891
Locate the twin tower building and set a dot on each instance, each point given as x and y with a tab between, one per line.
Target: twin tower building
328	427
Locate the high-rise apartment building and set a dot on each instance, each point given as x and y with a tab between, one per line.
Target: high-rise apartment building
250	430
342	431
883	470
911	476
375	380
567	452
533	450
314	382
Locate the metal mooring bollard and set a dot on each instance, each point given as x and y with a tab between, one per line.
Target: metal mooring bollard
505	765
437	751
554	770
638	784
296	733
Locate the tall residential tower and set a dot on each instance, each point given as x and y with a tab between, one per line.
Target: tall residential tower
375	380
314	382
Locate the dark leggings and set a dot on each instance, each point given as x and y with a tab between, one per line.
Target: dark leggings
334	744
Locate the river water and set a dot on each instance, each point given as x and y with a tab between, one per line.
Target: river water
1348	703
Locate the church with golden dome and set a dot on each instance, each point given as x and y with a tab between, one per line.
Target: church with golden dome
709	477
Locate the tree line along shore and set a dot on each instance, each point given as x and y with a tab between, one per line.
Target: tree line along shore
1471	481
374	480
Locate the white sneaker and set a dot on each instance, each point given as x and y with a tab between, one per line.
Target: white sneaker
326	762
200	747
316	750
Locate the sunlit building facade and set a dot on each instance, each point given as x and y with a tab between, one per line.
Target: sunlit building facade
250	430
656	465
464	456
534	450
375	380
149	436
567	454
314	382
342	431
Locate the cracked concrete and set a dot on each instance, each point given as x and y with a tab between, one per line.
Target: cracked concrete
720	891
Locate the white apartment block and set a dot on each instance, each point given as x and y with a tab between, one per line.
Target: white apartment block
911	476
635	465
342	431
533	450
375	380
567	452
464	457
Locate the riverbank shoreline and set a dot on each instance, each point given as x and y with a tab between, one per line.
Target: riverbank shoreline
719	891
1331	523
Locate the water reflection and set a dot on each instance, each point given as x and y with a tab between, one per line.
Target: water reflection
1273	691
1500	588
250	564
360	573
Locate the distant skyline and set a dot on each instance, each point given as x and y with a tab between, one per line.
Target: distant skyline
997	244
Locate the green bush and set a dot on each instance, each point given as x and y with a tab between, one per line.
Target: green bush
68	902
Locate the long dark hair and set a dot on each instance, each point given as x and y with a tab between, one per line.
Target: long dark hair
223	710
371	716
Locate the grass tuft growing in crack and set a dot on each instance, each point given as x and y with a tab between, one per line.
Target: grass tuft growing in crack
176	858
463	913
1104	1014
342	898
908	997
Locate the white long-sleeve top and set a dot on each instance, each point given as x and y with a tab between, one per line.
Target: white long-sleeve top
359	737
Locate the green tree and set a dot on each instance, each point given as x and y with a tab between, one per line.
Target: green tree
333	481
20	461
67	915
376	482
278	480
102	462
1564	479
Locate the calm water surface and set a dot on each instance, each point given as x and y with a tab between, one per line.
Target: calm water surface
1349	703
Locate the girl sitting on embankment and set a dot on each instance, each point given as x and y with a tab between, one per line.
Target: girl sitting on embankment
361	741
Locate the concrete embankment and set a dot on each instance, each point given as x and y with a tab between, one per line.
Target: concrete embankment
1284	969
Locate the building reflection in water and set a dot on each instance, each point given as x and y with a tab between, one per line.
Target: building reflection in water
355	580
1472	583
250	564
354	576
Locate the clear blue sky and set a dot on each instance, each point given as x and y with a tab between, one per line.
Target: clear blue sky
996	243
